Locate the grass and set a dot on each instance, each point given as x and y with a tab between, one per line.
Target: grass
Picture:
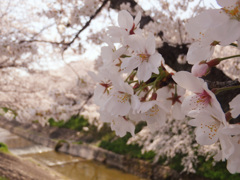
108	140
217	172
75	122
3	178
3	148
119	145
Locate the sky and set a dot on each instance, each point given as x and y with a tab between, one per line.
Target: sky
93	51
148	5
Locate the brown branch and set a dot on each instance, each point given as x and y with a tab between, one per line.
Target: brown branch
86	25
89	96
220	84
115	4
67	45
42	41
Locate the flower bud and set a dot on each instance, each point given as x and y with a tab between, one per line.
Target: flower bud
200	69
154	96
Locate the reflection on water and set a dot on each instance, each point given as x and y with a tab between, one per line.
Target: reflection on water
53	158
77	168
73	167
89	170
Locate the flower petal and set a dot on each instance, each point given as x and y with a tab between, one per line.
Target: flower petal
125	20
150	45
188	81
235	106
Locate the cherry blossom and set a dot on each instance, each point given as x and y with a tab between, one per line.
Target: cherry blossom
200	69
233	158
103	87
127	26
154	113
120	99
132	84
145	57
120	124
172	97
208	124
111	56
231	7
233	162
235	106
210	28
201	98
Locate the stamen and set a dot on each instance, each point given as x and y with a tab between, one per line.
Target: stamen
144	57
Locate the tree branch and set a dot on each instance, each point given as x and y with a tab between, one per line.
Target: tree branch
86	25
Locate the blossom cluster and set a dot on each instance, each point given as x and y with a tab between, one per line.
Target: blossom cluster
133	84
131	81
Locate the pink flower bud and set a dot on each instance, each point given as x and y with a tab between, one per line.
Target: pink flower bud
200	70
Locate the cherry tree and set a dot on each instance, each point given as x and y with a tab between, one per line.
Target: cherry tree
165	65
143	74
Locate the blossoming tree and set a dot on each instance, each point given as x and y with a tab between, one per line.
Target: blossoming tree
156	66
140	88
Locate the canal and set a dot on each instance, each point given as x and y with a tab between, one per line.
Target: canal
74	168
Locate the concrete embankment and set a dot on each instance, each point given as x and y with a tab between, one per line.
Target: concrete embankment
43	136
14	167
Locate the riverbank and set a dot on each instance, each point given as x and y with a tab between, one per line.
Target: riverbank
14	167
64	140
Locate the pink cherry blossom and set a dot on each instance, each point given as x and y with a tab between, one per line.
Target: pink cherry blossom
200	69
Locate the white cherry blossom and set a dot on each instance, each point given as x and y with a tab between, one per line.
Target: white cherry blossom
120	100
145	57
104	81
233	159
233	162
111	56
172	97
208	123
201	98
127	26
227	4
120	124
210	28
235	106
154	113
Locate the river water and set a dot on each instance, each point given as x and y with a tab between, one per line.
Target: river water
72	167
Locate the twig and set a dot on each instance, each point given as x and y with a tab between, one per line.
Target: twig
67	44
86	25
217	84
90	95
